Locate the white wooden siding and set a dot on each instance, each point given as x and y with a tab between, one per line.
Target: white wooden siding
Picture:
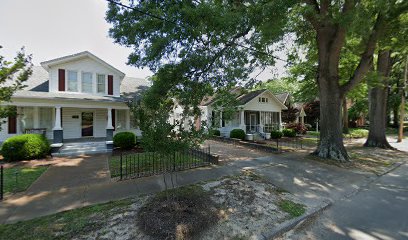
85	65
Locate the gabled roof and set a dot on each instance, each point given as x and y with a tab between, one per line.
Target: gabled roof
244	98
283	97
47	64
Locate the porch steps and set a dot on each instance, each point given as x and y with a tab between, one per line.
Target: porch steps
80	148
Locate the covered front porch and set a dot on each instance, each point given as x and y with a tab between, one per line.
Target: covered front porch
252	121
66	121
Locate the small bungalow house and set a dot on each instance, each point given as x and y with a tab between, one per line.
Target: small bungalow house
259	111
287	99
74	98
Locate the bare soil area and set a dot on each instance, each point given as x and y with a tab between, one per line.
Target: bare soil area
246	205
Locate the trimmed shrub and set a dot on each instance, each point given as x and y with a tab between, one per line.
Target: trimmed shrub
276	134
25	147
297	127
124	140
289	132
215	132
237	133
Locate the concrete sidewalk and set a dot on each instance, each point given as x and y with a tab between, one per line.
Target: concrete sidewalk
313	182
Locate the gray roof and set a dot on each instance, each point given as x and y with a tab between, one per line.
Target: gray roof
66	95
244	98
38	81
283	97
37	86
132	88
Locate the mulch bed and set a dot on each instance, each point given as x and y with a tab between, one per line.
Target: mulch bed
118	151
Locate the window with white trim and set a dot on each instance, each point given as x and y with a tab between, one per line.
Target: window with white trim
101	87
86	82
72	79
263	100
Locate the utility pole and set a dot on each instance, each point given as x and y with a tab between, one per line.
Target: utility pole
402	107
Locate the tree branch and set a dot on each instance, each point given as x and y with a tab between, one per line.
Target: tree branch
312	16
366	56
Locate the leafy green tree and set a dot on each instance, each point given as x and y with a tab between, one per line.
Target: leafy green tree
393	40
218	44
329	26
13	74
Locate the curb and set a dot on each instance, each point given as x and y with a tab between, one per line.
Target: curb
289	225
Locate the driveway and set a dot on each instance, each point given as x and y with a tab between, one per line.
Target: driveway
311	181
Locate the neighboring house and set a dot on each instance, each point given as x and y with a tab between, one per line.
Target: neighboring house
259	111
287	99
73	98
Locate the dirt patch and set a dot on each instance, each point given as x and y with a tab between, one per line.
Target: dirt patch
245	205
375	160
178	214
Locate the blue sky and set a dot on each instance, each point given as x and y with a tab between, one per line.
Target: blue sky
54	28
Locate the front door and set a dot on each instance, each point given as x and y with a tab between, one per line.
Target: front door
87	124
252	122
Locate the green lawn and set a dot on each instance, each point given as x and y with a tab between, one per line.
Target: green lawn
353	133
64	225
151	162
18	179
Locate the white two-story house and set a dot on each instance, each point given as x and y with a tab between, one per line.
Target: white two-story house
73	98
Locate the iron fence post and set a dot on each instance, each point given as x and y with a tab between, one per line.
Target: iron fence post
174	162
121	166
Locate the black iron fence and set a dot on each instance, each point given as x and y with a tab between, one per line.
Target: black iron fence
287	143
136	165
1	182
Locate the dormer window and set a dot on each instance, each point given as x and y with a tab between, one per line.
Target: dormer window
263	100
72	81
86	82
101	83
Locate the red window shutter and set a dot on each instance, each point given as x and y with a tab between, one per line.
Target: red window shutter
61	79
113	119
110	85
12	124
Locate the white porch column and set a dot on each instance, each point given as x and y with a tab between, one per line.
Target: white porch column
242	120
36	117
109	123
128	119
261	121
220	119
57	124
302	120
280	121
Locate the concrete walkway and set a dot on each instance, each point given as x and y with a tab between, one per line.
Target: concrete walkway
82	182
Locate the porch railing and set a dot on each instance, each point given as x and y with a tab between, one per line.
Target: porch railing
252	128
270	127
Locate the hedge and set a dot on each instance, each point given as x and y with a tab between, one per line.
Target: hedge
237	133
25	147
215	132
276	134
124	140
289	133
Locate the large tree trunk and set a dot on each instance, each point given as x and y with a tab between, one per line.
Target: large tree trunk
345	116
378	104
402	106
